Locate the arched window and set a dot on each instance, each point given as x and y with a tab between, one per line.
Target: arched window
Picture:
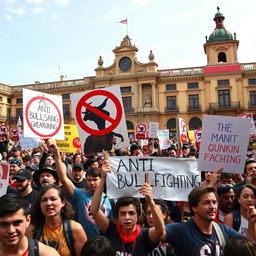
222	57
129	125
171	124
195	123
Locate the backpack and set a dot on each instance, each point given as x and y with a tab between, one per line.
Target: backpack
67	233
33	247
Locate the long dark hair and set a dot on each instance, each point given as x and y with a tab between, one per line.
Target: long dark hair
38	217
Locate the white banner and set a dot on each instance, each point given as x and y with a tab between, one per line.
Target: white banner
171	179
43	115
29	143
4	178
224	143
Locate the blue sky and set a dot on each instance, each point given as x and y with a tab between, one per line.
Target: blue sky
38	36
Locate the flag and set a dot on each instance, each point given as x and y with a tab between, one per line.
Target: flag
122	21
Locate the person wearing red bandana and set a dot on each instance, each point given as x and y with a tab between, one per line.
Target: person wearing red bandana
127	236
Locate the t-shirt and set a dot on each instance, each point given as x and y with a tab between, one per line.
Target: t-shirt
81	185
82	202
32	198
54	237
141	247
187	239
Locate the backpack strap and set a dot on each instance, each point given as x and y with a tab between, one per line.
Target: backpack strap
236	219
69	236
219	233
37	233
33	247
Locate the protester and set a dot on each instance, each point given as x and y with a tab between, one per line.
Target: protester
78	176
45	176
52	224
14	219
244	199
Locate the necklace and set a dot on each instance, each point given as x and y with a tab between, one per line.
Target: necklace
133	248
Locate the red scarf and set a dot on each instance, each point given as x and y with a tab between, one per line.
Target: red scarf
128	239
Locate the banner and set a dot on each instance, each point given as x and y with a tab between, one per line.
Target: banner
72	142
224	143
170	178
4	178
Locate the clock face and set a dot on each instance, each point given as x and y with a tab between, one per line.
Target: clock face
125	64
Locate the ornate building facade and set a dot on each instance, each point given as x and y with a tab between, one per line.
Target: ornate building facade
222	87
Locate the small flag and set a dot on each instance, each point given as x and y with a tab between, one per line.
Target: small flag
122	21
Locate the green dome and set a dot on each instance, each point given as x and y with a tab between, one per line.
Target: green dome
220	34
218	14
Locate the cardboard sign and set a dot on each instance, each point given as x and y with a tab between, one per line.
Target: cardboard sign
182	130
4	129
43	115
100	119
14	134
252	124
191	136
141	130
170	178
4	178
152	130
163	136
28	143
72	141
224	143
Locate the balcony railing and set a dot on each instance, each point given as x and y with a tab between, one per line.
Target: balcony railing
129	110
252	105
170	109
67	114
194	108
218	106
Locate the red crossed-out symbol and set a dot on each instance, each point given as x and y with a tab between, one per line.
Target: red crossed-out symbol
198	134
114	121
28	121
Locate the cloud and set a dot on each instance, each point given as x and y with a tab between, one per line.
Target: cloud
38	2
18	10
9	1
55	16
62	3
141	2
8	17
37	10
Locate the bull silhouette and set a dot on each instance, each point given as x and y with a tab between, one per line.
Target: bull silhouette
95	143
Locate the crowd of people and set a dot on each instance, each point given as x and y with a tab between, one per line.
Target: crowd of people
56	204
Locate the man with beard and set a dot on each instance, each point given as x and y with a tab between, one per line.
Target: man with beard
15	165
78	176
23	185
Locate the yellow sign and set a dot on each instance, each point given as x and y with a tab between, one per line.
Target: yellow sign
191	136
72	142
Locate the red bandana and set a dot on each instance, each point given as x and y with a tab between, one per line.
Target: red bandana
128	239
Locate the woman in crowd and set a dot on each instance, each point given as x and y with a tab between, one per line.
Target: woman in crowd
244	199
52	224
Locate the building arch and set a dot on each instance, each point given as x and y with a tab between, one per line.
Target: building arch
222	57
195	123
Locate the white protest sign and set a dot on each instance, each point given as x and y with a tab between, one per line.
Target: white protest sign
28	143
182	130
224	143
152	130
252	126
163	136
100	119
4	178
43	115
170	178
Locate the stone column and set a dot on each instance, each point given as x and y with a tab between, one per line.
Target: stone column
140	97
153	95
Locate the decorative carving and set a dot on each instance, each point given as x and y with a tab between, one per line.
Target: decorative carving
151	56
100	61
126	41
147	103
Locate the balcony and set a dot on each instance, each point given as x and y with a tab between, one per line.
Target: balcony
251	105
194	108
232	106
128	110
182	71
67	114
171	109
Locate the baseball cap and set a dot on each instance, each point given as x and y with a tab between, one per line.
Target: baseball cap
33	167
79	165
15	161
23	174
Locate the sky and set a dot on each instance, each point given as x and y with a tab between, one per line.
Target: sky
43	39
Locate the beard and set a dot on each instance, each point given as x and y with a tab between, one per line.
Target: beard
23	188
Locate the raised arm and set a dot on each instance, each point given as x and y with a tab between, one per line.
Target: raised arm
101	220
61	168
251	215
158	230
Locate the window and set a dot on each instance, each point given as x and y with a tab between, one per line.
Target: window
19	113
224	98
192	85
193	101
170	87
8	114
1	99
66	110
253	98
19	101
126	89
127	102
171	103
9	100
252	81
223	82
222	57
195	123
65	96
129	125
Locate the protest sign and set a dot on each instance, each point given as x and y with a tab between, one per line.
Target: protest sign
170	178
163	136
141	130
4	129
4	178
182	130
224	143
252	124
152	130
191	136
28	143
100	119
43	115
72	142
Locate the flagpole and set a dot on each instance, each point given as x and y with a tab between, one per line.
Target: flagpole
127	26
